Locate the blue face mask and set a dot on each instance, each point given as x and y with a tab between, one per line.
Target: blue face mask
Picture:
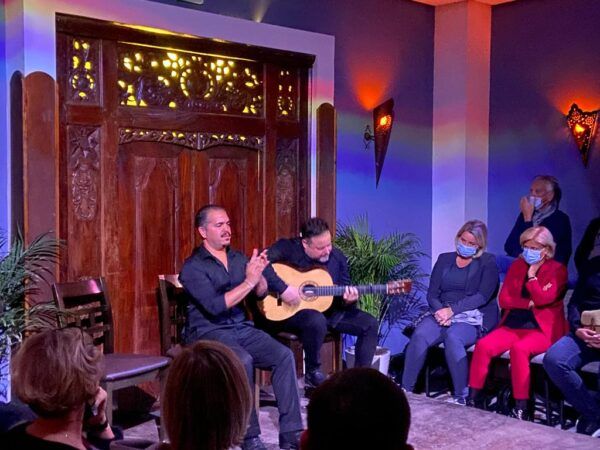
535	201
466	251
532	256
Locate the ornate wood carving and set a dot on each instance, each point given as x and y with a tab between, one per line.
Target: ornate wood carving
195	141
83	71
206	141
287	162
165	78
84	165
287	94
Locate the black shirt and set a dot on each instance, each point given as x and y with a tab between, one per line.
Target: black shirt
292	252
206	280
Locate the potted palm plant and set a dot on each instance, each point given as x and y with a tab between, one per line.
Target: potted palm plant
22	268
374	260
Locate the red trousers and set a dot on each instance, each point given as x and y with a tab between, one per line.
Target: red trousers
523	344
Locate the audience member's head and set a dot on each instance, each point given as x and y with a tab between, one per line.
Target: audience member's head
472	238
357	409
538	239
547	189
207	399
57	372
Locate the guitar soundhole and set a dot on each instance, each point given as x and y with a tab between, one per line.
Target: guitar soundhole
308	292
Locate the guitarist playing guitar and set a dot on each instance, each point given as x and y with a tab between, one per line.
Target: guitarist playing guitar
314	249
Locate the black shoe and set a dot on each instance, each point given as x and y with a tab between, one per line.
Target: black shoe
478	403
253	443
519	414
313	378
290	440
589	427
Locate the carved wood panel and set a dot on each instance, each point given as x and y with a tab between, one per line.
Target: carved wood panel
287	187
83	200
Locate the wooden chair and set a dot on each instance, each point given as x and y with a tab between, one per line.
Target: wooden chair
88	307
172	309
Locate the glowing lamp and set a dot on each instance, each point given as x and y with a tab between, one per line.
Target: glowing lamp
583	128
383	119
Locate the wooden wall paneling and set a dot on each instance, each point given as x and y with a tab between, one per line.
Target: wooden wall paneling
16	149
269	162
304	175
40	161
326	164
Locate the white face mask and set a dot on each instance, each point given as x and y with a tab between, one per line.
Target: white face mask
535	201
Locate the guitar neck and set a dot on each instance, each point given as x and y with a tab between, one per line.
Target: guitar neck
324	291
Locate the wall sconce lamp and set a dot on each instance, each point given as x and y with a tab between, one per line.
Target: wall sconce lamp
583	128
383	119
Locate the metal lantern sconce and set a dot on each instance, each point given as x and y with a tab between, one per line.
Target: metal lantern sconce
583	128
383	119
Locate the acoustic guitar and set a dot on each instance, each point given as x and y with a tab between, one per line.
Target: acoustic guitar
317	291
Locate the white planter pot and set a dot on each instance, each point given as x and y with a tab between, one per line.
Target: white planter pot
381	360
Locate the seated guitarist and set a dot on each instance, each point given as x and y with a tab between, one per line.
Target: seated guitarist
314	249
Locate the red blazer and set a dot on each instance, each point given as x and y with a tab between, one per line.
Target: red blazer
547	293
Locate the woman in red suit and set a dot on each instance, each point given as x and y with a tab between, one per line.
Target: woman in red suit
532	320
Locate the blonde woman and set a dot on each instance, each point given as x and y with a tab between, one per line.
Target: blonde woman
533	319
57	373
460	295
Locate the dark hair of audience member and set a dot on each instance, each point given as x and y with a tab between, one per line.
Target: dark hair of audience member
207	399
313	227
357	409
56	372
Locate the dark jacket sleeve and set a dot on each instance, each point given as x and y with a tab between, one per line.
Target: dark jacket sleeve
586	245
562	237
198	285
435	282
276	253
512	247
488	282
573	313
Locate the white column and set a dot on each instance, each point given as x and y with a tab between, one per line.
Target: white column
461	90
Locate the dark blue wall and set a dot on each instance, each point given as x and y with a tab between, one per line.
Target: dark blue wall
383	49
544	57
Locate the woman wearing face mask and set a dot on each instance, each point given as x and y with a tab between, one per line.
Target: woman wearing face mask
540	208
460	297
533	317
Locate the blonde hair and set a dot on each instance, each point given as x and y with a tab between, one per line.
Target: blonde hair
57	371
542	236
478	229
207	400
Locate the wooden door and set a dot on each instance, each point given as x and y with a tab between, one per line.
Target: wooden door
152	127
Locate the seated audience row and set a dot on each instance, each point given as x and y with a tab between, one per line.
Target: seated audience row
206	403
463	311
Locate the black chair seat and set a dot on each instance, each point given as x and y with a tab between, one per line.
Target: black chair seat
126	365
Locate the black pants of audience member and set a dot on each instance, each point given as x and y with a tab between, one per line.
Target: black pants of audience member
311	327
255	348
456	338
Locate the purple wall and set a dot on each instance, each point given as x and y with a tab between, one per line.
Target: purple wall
544	57
383	49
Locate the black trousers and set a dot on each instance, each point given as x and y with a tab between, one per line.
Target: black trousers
255	348
311	327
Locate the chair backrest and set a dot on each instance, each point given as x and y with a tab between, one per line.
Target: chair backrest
172	310
87	306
